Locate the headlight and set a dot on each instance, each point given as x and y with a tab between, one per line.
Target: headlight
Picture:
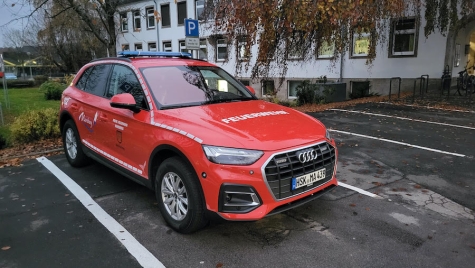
327	135
231	156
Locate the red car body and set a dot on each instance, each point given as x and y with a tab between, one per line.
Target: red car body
137	142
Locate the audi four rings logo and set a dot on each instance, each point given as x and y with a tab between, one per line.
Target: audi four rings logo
307	156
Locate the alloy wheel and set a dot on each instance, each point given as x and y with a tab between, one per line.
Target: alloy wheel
174	196
71	143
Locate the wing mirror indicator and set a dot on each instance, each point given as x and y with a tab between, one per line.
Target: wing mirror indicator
124	101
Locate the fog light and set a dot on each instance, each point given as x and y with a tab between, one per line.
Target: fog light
238	199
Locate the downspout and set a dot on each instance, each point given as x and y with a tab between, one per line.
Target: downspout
156	26
342	56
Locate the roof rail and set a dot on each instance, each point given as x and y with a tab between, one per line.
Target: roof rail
131	54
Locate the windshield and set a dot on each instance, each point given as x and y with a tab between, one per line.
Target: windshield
181	86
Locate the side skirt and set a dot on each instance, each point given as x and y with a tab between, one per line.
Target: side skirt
122	171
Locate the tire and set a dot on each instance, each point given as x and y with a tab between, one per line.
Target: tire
180	197
72	145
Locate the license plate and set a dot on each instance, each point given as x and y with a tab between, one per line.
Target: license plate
308	179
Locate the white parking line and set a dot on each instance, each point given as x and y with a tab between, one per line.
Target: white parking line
361	191
429	107
398	142
402	118
139	252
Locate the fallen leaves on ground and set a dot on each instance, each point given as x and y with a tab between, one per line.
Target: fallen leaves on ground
14	156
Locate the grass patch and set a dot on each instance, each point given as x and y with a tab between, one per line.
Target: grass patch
22	100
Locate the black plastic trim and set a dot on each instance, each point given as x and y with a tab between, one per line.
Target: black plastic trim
220	198
300	202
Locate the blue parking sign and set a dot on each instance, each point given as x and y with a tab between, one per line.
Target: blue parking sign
191	28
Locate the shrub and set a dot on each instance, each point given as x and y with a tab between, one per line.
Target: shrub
306	93
35	125
53	90
68	79
40	79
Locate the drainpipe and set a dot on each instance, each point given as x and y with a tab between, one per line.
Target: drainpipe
156	26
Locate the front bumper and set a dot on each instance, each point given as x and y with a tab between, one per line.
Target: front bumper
261	193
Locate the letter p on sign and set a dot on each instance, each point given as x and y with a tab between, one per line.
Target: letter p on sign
191	28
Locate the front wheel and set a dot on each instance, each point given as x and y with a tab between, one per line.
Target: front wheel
179	195
72	145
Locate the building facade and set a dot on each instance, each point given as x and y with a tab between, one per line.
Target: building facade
406	53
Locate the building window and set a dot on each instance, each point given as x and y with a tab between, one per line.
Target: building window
268	88
152	46
404	37
125	47
361	42
292	88
165	12
325	50
203	52
138	47
181	6
183	46
221	50
167	46
150	17
245	82
296	46
243	51
200	7
137	20
124	22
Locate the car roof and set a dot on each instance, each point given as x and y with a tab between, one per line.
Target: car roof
152	59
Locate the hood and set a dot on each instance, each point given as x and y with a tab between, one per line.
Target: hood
252	124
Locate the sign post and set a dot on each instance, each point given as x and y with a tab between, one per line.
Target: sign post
5	87
192	34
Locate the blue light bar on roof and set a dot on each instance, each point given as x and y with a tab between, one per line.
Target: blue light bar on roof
154	54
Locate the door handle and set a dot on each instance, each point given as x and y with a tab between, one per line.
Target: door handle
74	107
103	118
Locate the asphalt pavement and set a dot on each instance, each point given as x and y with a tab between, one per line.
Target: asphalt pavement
419	162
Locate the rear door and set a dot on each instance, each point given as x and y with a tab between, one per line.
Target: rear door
88	104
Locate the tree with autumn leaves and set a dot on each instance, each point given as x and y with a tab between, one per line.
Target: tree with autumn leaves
283	27
277	28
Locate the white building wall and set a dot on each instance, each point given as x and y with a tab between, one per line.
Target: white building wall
429	60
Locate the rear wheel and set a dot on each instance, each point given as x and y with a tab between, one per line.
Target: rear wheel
72	145
179	196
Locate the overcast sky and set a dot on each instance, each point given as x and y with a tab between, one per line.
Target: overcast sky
9	11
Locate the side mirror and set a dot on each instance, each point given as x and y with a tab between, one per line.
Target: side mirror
1	74
125	101
251	89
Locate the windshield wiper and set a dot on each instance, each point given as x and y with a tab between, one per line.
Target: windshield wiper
221	100
179	106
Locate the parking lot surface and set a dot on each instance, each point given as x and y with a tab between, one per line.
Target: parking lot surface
419	162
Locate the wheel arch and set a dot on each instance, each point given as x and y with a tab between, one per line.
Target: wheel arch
160	154
63	118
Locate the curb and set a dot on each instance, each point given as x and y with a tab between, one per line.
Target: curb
31	154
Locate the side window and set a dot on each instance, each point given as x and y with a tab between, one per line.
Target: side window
81	84
124	80
94	79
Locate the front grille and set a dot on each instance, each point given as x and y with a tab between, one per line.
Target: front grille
281	168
